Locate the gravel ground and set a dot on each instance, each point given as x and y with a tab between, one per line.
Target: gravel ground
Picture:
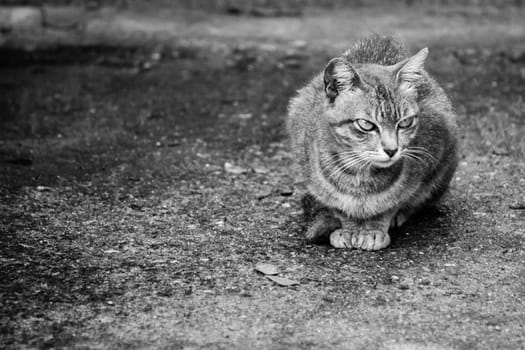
140	188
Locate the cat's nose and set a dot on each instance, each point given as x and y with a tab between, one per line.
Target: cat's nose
390	152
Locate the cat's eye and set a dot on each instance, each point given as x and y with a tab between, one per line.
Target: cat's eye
365	125
406	122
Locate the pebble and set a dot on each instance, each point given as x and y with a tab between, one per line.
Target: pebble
517	206
286	191
394	278
234	169
424	282
263	194
404	286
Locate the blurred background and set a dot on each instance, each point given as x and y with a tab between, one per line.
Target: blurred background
328	21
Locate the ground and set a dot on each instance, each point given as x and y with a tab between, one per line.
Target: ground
140	187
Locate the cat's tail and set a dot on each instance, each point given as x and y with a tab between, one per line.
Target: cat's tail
377	48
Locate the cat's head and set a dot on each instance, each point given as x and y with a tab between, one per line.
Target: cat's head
373	110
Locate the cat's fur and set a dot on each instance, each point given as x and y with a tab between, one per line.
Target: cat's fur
367	181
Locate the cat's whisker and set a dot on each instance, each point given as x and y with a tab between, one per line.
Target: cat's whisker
423	151
347	164
370	157
417	159
355	161
425	161
420	150
328	162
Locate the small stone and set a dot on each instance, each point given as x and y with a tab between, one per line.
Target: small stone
220	223
299	44
22	18
64	17
286	191
500	151
244	116
404	286
328	299
234	169
517	206
493	321
424	282
156	56
261	170
394	278
264	194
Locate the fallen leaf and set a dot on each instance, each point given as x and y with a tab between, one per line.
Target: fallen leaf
517	206
282	281
234	169
267	269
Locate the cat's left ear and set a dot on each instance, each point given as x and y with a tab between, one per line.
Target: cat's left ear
410	71
339	75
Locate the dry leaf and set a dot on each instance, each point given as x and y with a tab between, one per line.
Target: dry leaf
282	281
267	269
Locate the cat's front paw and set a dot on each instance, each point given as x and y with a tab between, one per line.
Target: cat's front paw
370	240
341	238
361	239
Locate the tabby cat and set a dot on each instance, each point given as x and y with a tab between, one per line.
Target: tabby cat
375	140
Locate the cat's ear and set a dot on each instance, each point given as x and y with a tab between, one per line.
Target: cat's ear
339	75
410	71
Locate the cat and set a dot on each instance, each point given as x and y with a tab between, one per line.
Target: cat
375	139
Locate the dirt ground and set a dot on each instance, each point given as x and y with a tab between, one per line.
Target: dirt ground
139	188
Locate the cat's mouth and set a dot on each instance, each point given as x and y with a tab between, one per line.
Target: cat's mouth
386	163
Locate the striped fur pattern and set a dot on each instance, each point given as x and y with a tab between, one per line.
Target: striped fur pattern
375	139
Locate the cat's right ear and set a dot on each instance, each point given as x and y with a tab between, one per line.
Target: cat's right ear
339	75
